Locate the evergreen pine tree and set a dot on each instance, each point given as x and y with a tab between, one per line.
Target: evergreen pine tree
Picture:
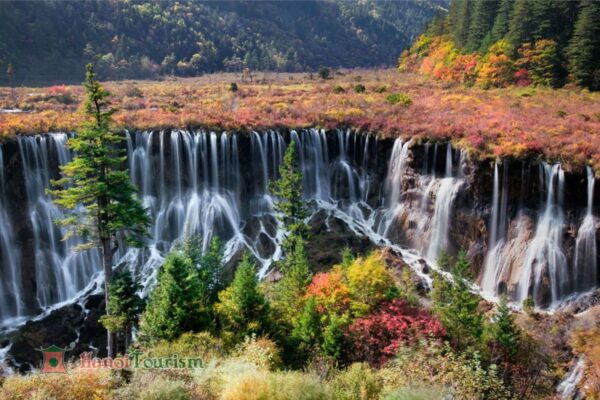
288	192
242	308
482	21
175	305
459	20
124	306
504	333
95	189
584	47
551	20
307	329
521	24
502	20
457	307
211	269
293	284
347	258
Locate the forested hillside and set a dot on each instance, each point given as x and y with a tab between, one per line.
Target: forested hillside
52	40
495	43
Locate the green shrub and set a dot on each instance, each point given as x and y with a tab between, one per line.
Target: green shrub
440	366
528	305
380	89
360	88
359	381
395	98
164	389
242	381
338	89
262	352
198	345
416	393
233	87
324	73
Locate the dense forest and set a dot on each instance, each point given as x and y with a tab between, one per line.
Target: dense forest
501	42
52	40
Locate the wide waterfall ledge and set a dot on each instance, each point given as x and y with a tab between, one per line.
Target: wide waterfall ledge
523	224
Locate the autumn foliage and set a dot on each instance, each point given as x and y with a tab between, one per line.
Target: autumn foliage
377	336
446	103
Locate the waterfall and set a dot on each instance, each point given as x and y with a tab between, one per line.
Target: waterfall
585	245
444	199
60	272
568	387
545	257
191	183
397	163
498	229
11	291
209	183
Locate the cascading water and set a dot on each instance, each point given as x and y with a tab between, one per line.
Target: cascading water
545	256
217	184
191	182
60	272
585	264
492	269
11	292
444	199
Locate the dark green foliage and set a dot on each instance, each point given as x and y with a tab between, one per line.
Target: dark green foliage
398	98
333	340
307	333
520	29
209	265
99	194
297	276
584	46
482	21
242	308
101	200
324	73
503	332
360	88
502	20
124	305
49	40
175	305
233	87
288	190
475	25
457	307
542	62
459	17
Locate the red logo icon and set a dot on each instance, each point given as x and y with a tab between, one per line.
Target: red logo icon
54	359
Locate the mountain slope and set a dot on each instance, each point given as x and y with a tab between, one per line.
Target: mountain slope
51	40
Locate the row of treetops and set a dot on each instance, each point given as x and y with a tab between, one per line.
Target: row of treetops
559	125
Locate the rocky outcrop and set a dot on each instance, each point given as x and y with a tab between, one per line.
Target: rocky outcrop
74	324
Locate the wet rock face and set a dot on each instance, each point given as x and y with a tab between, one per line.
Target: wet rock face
73	323
525	188
328	238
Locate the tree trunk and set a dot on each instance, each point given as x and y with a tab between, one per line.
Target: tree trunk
107	266
127	336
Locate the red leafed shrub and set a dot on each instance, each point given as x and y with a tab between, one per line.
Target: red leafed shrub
376	337
522	77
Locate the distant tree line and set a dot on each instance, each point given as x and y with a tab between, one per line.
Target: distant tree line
52	40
